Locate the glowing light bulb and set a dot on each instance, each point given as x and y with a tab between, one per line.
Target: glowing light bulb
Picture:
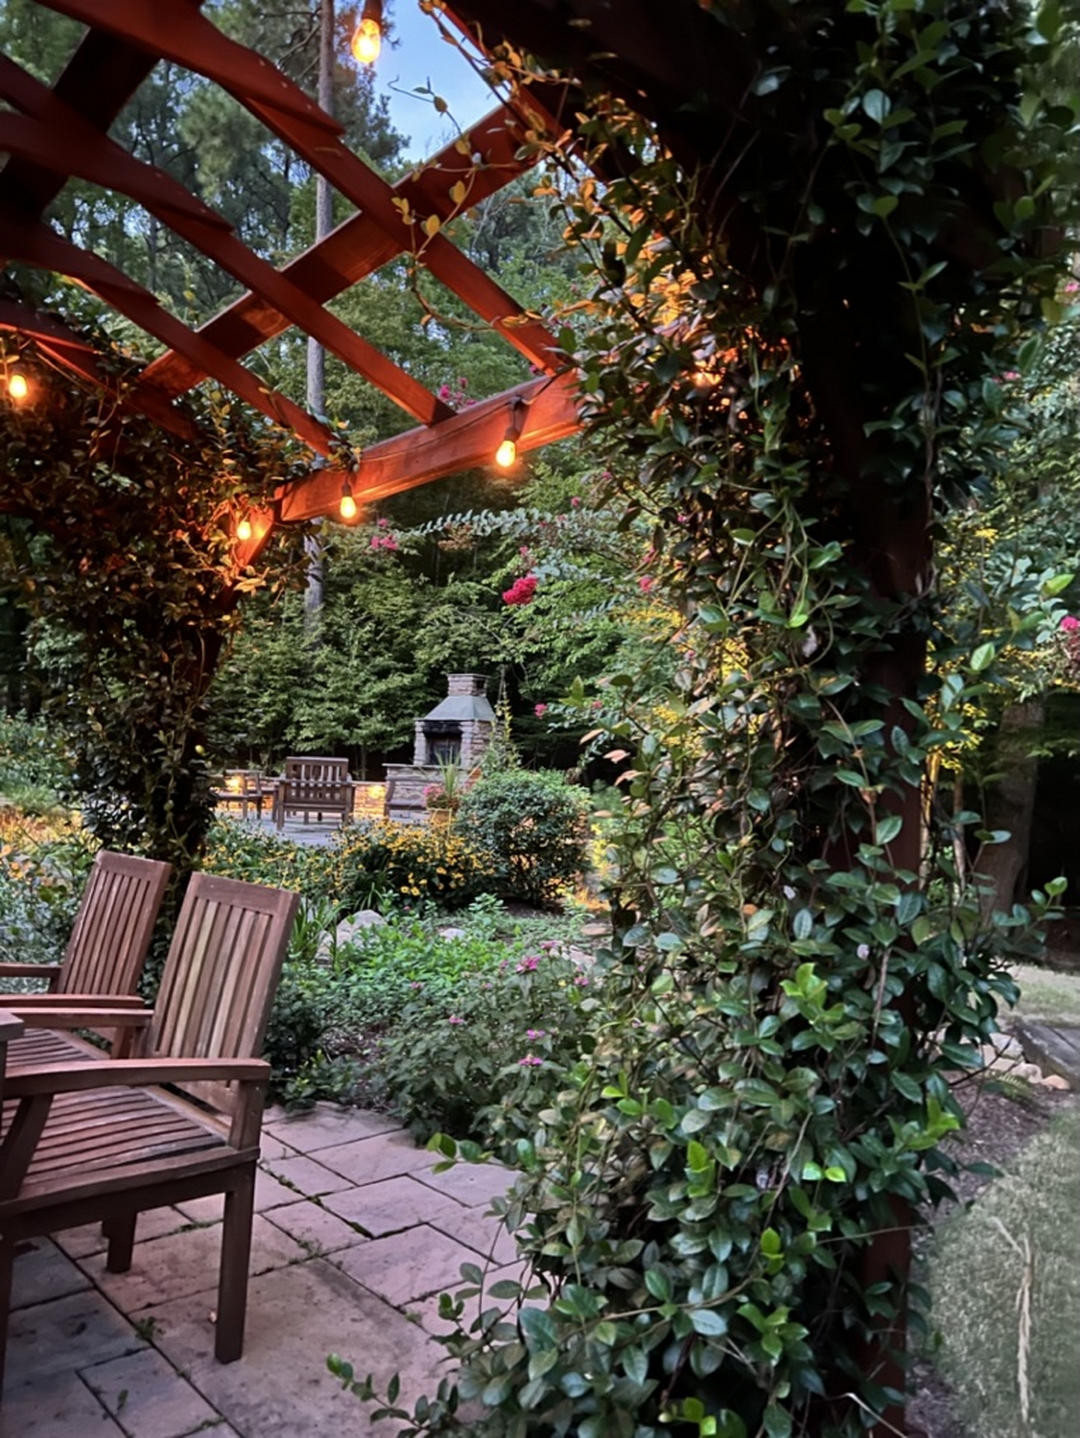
18	388
367	40
243	530
506	454
347	506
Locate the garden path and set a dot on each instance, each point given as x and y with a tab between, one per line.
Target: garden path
355	1237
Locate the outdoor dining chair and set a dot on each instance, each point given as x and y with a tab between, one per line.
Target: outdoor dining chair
99	1139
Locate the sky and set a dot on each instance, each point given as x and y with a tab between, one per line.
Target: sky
422	57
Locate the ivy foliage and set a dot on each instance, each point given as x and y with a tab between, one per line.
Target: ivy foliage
122	537
788	373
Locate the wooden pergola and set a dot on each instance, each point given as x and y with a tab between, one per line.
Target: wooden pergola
55	134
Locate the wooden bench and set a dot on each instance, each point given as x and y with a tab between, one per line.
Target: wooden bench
313	786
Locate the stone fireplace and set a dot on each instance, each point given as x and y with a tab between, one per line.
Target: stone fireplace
456	731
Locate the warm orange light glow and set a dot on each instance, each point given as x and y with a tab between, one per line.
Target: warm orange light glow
367	37
18	388
347	507
243	530
506	454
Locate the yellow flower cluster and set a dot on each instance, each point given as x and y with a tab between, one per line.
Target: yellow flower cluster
413	860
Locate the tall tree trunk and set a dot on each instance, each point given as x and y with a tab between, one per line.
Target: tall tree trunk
1010	806
316	355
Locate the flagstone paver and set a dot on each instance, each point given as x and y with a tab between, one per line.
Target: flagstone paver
353	1241
391	1205
63	1407
148	1397
407	1266
315	1227
304	1176
45	1272
367	1160
183	1263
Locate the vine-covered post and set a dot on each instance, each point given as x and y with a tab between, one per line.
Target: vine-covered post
811	270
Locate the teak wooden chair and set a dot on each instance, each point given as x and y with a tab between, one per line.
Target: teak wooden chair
104	955
313	785
105	1140
110	936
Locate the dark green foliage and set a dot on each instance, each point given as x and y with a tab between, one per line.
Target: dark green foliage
479	1060
531	827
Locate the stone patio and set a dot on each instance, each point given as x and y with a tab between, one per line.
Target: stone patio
354	1239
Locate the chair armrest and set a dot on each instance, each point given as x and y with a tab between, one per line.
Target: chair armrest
76	1001
127	1073
81	1016
10	970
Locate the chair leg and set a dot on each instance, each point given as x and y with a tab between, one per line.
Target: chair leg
235	1262
7	1261
120	1231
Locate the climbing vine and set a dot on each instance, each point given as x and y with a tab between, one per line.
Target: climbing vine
122	538
786	374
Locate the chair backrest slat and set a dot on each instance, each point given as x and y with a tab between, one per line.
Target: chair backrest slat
114	925
221	975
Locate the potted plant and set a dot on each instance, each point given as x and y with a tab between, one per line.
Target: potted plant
442	799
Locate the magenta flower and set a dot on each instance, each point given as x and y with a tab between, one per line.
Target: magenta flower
539	710
455	1019
532	1034
521	591
581	981
530	1061
528	964
645	583
575	502
1070	624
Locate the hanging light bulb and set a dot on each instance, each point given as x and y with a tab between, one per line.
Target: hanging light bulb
348	507
243	530
506	454
17	386
367	37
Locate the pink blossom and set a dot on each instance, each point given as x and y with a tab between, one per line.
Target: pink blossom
645	583
530	1061
539	710
521	591
524	551
575	502
528	964
1070	624
455	1019
383	523
532	1034
581	980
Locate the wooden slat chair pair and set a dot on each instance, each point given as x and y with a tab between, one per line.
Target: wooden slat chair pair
92	1138
316	786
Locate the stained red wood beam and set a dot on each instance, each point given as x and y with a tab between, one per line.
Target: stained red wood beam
358	246
36	244
97	81
171	29
468	440
56	138
67	350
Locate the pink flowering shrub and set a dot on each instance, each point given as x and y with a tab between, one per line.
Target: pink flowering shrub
481	1060
522	591
1069	646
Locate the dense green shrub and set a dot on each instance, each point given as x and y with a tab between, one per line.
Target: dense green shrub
404	864
480	1059
531	827
236	850
41	883
331	1009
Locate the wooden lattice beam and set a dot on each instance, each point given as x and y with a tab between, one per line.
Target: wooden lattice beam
54	137
175	31
34	243
493	156
467	441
